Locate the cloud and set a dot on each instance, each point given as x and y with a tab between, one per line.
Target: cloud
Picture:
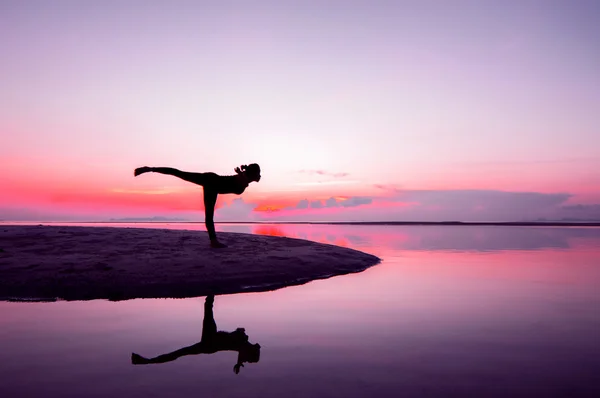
484	205
582	208
323	177
331	202
303	204
356	201
348	202
325	173
316	204
236	210
434	205
387	187
580	212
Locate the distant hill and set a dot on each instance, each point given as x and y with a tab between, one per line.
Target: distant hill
148	219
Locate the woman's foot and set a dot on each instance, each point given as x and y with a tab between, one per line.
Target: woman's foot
216	244
141	170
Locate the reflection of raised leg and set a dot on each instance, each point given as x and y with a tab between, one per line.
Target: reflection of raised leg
137	359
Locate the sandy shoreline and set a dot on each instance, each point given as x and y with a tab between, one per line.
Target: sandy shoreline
84	263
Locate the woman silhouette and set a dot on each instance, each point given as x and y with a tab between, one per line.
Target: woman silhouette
213	185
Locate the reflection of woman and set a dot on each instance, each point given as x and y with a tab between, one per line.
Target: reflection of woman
212	341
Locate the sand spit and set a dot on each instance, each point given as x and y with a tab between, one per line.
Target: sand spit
85	263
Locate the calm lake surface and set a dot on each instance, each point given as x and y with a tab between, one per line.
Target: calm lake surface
451	311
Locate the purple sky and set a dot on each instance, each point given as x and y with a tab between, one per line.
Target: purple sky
410	95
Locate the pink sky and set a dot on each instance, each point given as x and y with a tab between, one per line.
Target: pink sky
403	110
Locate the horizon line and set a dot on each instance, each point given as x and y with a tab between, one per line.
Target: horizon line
392	223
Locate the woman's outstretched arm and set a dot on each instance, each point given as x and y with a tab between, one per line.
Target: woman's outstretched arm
196	178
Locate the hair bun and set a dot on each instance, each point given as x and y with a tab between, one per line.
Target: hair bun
244	167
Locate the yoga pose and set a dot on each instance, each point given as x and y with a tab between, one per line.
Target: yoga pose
212	341
213	184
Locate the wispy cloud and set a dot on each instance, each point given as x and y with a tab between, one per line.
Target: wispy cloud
387	187
325	173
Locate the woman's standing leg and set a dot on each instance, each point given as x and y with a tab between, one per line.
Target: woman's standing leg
210	200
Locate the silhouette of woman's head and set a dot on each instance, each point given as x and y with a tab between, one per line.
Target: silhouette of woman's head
252	171
251	353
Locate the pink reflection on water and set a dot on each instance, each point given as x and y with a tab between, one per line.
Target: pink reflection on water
453	291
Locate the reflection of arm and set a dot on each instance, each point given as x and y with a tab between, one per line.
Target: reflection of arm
191	350
239	364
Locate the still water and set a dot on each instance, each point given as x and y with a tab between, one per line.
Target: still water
451	311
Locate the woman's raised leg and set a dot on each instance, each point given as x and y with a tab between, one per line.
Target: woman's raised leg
196	178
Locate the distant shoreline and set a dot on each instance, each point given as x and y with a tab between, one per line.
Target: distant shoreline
396	223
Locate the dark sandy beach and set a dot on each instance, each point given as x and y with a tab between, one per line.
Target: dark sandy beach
84	263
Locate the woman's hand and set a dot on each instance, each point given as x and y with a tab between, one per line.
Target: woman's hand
238	170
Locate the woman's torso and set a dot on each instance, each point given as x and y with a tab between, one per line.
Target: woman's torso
231	184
